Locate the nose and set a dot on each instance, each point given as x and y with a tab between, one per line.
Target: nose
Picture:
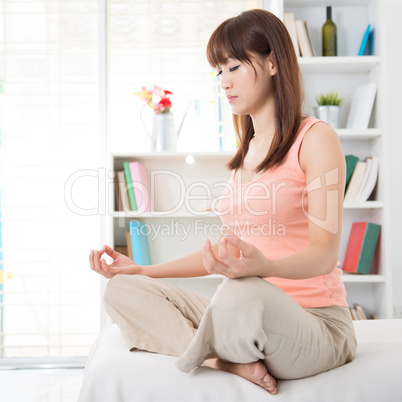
226	83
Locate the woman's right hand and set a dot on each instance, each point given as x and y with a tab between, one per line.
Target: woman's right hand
120	265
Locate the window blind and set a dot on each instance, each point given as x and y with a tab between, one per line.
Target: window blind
49	299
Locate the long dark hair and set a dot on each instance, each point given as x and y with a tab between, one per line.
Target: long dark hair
261	33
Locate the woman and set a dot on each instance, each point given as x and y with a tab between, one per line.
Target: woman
281	311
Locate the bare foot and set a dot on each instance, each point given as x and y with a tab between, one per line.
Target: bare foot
255	372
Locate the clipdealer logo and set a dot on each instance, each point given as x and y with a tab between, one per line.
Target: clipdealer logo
328	223
186	196
200	227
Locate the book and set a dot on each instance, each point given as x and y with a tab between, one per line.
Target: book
369	161
139	242
289	21
303	39
141	186
357	312
361	106
364	41
370	179
362	242
122	250
353	313
361	315
309	39
128	242
123	201
351	161
356	181
117	205
129	183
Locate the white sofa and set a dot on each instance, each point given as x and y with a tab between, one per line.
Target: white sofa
113	374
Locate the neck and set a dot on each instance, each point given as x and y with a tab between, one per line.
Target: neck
264	122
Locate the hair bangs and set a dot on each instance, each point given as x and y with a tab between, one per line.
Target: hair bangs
221	46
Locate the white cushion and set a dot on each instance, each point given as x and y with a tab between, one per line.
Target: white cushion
114	374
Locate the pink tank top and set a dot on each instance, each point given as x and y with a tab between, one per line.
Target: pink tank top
270	212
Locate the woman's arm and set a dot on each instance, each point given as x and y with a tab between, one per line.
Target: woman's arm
188	266
323	162
185	267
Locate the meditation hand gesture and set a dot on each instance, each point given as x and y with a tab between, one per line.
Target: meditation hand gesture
120	265
251	262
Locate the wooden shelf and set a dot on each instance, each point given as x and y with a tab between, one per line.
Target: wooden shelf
359	135
338	64
160	156
364	205
356	278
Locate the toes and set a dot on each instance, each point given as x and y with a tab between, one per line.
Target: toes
269	383
268	379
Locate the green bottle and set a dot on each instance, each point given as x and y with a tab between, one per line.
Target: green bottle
329	47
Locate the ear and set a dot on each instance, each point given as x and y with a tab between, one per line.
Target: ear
271	65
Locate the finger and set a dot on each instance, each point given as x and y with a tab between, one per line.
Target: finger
224	255
110	252
222	249
94	264
204	259
107	269
207	258
91	262
235	241
97	262
215	265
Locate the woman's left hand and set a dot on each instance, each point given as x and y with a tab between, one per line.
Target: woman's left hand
252	261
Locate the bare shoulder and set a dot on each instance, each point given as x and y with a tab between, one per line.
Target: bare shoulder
321	145
320	134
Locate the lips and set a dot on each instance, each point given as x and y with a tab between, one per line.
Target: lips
231	98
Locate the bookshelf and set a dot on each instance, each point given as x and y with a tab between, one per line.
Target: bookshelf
344	73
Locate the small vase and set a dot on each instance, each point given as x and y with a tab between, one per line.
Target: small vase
163	132
329	114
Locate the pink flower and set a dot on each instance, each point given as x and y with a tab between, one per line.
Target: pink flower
156	98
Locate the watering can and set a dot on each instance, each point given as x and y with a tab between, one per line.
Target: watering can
163	136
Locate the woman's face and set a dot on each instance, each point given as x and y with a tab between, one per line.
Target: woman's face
248	90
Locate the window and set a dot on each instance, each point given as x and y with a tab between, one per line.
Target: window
51	144
163	43
49	131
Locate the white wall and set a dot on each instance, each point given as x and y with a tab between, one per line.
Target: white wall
392	55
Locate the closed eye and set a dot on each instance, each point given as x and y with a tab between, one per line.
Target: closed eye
230	69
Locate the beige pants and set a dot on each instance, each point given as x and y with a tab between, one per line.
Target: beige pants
247	320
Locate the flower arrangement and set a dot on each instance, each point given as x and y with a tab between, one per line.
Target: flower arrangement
156	98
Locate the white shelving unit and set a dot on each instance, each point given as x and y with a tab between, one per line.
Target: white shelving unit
173	176
343	74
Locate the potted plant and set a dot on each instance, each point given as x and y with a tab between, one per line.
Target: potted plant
328	108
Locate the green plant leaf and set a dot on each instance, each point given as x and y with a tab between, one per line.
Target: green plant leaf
329	99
